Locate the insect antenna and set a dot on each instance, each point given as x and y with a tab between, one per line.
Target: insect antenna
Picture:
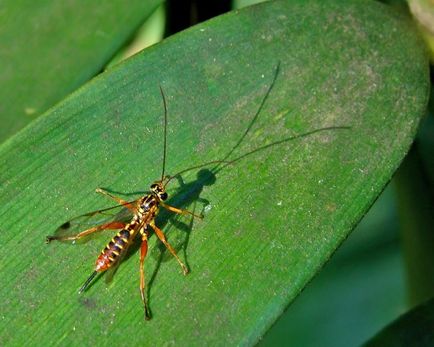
169	178
165	133
86	284
224	160
256	115
279	142
258	149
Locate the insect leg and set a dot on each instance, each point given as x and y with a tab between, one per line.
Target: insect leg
111	226
180	211
163	239
143	251
123	202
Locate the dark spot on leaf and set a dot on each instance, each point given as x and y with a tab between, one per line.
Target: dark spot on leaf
88	303
65	225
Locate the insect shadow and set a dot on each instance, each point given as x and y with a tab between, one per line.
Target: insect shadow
188	195
177	228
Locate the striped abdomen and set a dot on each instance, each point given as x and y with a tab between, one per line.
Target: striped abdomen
114	249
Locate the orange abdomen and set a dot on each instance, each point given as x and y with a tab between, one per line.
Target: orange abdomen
113	250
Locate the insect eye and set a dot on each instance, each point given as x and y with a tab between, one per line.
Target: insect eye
154	186
163	196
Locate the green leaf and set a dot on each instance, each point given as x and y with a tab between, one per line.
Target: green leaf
415	328
365	274
271	220
49	48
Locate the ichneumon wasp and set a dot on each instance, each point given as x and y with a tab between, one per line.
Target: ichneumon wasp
143	211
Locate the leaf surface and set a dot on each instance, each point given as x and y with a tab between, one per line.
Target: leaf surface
49	48
271	220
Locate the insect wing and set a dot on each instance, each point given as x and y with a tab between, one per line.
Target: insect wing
85	221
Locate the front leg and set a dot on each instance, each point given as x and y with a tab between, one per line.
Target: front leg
127	204
180	211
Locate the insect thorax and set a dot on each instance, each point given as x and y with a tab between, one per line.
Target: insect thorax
148	203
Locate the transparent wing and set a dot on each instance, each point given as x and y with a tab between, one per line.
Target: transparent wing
92	220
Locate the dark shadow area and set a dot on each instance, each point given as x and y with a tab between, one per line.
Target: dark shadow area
182	14
188	197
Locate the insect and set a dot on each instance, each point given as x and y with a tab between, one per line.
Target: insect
144	211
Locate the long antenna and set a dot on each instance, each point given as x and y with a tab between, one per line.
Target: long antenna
224	160
165	132
255	117
258	149
287	139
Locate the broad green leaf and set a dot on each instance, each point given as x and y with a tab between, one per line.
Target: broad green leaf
365	274
415	328
49	48
271	220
